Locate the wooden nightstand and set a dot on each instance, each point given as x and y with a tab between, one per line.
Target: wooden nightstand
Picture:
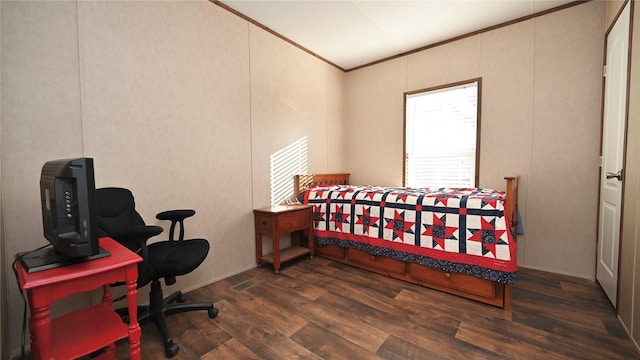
280	220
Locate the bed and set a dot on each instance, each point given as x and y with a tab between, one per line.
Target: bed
374	228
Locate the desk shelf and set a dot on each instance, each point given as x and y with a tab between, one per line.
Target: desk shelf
74	334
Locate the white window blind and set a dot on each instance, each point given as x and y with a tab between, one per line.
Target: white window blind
441	131
286	163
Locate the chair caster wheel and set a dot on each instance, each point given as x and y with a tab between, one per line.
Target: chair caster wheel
171	350
213	313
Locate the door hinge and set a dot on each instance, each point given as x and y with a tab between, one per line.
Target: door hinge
604	71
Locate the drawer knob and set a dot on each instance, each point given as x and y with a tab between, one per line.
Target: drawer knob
373	257
447	275
264	223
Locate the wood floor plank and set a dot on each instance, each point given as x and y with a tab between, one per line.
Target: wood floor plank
587	292
199	333
434	335
574	346
572	291
329	345
259	337
342	285
338	320
282	320
559	309
611	346
230	350
294	284
456	308
396	348
503	345
345	325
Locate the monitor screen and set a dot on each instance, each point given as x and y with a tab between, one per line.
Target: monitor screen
67	193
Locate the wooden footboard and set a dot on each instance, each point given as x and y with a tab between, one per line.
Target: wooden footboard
511	203
467	286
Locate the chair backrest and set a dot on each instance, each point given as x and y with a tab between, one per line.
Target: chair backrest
116	210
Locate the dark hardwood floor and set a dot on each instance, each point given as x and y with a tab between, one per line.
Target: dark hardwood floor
319	309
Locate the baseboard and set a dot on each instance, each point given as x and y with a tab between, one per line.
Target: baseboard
222	277
16	354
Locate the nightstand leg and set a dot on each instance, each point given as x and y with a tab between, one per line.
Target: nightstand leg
258	248
276	253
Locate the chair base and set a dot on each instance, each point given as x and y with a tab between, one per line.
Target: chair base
159	308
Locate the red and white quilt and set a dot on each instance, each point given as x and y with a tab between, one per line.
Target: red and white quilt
452	229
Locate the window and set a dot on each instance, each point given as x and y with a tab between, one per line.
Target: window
442	135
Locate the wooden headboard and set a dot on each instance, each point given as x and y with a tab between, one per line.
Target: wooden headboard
306	181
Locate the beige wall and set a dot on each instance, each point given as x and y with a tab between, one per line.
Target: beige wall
629	279
294	96
541	93
181	101
40	103
374	136
612	8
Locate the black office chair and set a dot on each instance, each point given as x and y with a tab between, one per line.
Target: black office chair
118	219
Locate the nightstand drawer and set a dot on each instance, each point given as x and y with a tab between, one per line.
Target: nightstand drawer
263	223
298	220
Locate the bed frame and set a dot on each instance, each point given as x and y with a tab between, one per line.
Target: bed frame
467	286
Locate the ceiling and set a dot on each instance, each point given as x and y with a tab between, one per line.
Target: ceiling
352	33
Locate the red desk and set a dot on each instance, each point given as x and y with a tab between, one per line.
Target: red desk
87	330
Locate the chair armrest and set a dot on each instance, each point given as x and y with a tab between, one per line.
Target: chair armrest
136	234
135	239
175	215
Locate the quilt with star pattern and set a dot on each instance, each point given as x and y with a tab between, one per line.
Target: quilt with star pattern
462	230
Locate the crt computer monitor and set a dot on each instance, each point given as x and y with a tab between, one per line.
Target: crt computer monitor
67	193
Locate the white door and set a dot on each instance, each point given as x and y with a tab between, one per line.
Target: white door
613	132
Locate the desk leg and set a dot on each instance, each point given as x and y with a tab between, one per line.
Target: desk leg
108	299
106	295
134	328
40	329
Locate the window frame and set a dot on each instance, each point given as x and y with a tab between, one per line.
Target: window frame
477	80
